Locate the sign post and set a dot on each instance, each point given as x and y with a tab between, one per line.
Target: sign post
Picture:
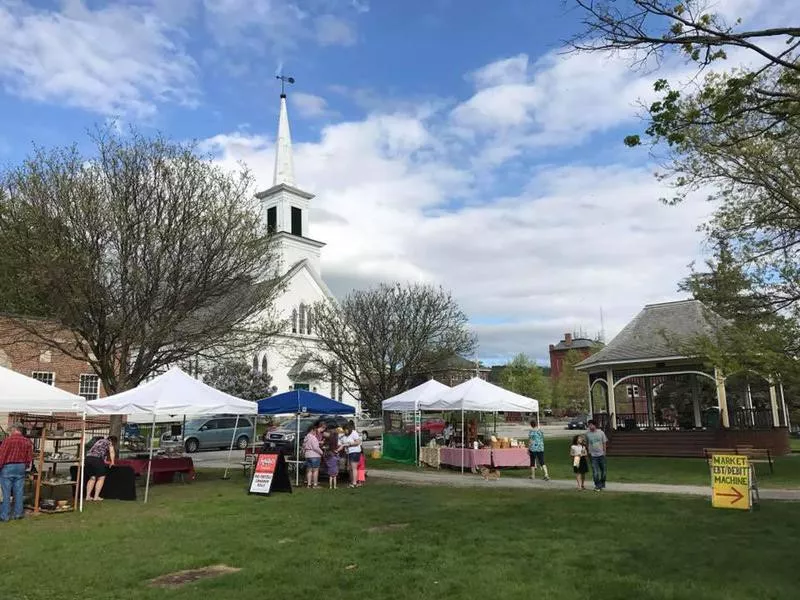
730	481
270	475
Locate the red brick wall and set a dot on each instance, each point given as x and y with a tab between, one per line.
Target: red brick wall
21	352
557	359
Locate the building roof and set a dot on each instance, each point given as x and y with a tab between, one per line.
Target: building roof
658	332
284	162
304	368
577	344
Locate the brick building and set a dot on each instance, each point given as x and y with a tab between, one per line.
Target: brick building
22	353
585	347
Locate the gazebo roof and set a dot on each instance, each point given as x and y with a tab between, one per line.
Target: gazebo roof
656	333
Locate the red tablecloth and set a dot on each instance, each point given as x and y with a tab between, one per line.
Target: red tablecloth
163	469
472	458
511	457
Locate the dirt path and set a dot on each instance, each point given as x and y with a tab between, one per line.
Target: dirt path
475	481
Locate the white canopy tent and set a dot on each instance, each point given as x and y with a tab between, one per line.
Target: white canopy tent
478	395
173	393
412	400
20	393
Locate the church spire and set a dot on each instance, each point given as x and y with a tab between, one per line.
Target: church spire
284	165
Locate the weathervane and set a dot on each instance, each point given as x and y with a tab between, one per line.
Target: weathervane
284	80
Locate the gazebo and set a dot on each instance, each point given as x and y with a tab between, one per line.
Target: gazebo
654	401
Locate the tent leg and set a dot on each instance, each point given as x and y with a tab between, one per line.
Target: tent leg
462	441
297	454
82	458
150	459
230	450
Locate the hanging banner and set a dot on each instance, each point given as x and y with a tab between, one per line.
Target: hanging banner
730	481
270	474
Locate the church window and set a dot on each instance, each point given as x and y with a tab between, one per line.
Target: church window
264	364
255	364
294	321
308	320
302	318
272	219
297	221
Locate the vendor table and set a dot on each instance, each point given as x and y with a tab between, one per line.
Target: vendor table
511	457
163	469
472	458
430	457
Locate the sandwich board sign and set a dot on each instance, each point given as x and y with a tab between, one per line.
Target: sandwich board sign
270	474
730	481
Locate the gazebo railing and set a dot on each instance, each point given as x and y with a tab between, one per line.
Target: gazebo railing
752	418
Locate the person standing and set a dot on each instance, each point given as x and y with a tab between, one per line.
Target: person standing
598	443
352	444
536	450
96	468
313	454
16	457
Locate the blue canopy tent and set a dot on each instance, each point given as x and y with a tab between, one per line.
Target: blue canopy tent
301	402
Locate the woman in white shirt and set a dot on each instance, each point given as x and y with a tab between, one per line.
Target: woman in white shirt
351	442
580	466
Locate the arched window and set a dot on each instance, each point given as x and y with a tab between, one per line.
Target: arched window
264	364
294	321
255	363
309	313
302	327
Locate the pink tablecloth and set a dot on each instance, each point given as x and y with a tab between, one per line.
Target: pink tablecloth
511	457
472	458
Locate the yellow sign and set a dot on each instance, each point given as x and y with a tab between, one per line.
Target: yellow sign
730	481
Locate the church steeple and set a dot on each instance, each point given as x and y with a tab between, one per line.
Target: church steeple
284	207
284	163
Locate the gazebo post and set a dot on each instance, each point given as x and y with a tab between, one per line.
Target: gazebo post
773	400
648	394
722	399
785	408
612	403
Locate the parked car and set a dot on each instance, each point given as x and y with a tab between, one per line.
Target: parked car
433	426
578	422
283	438
370	428
217	432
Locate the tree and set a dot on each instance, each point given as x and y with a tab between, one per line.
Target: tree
523	376
236	377
138	256
378	341
732	137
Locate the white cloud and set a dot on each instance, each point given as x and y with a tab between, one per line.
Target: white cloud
393	203
309	105
505	71
331	30
117	60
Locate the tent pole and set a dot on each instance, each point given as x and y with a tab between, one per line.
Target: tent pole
417	433
150	459
38	492
462	441
297	454
230	450
82	455
255	431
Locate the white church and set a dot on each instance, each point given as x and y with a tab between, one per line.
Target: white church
285	209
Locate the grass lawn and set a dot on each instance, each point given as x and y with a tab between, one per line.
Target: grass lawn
680	471
795	443
452	543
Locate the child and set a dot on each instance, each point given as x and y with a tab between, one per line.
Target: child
362	470
580	464
332	451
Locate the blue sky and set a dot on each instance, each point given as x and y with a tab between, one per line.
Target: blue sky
452	142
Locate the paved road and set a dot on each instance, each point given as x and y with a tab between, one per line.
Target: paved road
475	481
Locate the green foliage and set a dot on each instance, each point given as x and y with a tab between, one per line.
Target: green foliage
523	376
571	389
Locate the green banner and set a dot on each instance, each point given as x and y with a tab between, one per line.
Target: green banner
399	447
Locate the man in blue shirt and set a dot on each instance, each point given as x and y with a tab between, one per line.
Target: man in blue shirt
536	449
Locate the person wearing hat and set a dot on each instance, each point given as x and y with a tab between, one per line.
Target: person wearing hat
16	457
